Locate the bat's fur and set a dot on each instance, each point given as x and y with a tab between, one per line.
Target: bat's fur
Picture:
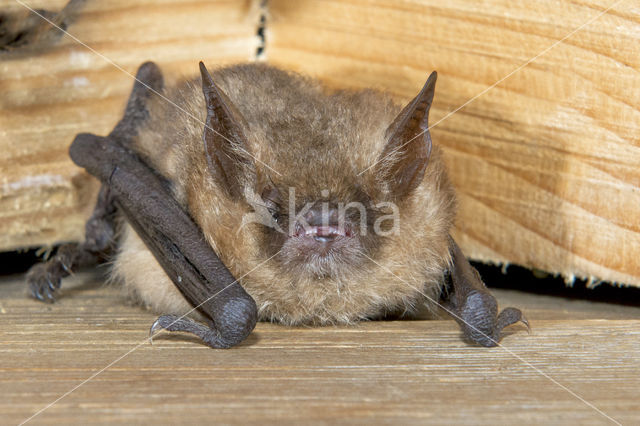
317	140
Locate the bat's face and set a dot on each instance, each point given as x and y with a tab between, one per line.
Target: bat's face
320	233
320	214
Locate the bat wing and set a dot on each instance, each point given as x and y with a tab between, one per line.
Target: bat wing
472	305
166	228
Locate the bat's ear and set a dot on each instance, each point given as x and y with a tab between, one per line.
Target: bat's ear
406	154
224	140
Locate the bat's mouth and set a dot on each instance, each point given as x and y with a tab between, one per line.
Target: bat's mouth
311	243
324	233
321	244
321	250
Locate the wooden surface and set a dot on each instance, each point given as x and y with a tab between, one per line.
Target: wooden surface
401	372
49	95
547	164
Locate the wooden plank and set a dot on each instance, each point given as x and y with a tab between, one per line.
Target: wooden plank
546	163
50	95
400	372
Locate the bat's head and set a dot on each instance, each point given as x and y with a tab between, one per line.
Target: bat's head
325	184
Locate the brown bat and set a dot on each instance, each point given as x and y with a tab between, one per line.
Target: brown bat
328	206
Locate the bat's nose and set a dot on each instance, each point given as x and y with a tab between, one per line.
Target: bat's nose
322	224
322	215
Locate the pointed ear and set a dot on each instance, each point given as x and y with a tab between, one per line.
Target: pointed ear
224	140
405	157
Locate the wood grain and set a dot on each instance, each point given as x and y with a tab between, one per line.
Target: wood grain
546	163
49	95
401	372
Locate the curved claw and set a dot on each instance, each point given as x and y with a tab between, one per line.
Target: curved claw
52	285
36	294
49	298
66	268
154	327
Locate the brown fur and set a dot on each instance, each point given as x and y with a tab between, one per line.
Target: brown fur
316	140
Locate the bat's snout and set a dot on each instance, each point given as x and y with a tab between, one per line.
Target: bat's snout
322	224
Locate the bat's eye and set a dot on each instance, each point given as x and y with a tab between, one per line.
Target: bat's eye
273	210
271	197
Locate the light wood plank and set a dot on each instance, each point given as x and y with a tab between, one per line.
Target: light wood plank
398	372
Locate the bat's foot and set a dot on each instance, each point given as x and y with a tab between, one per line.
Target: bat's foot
175	323
480	322
44	279
42	286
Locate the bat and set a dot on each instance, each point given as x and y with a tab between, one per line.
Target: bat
256	193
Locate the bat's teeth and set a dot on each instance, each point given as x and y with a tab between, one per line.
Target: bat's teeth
325	231
299	230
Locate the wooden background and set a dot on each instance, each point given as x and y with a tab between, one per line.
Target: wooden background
546	163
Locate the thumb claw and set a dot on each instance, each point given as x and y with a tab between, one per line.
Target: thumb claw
154	327
66	268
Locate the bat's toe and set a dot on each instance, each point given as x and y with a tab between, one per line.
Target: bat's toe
41	285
